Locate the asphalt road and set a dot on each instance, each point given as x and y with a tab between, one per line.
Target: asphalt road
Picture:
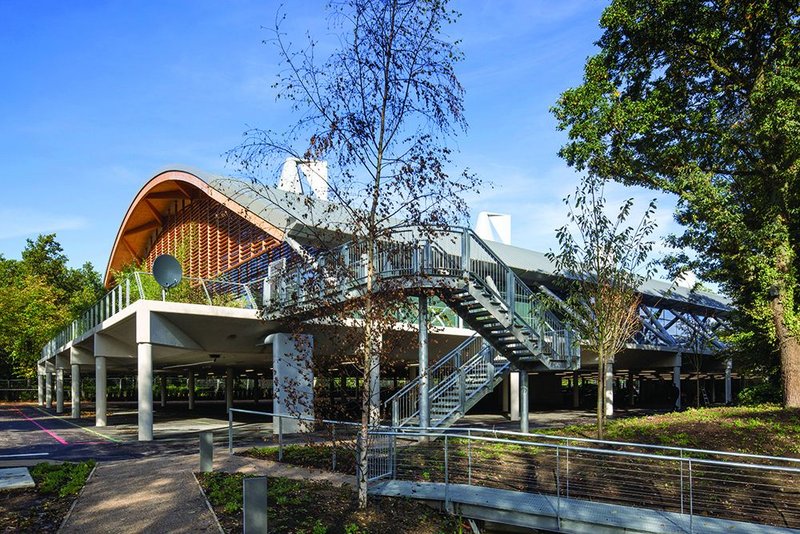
30	434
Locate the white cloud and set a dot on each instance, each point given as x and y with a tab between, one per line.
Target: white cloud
27	222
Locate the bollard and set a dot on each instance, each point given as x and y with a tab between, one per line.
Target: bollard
206	452
254	505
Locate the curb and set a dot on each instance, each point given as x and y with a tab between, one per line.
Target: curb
208	504
78	496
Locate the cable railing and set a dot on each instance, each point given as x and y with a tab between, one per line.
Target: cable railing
143	286
690	487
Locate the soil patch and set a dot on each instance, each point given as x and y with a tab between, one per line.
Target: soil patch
321	508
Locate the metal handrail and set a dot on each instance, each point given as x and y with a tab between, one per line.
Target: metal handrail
128	291
414	263
445	359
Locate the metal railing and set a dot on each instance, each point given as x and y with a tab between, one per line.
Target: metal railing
142	286
340	437
453	381
458	255
673	481
694	483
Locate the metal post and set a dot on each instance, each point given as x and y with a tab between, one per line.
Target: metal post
254	505
558	487
424	401
462	390
395	413
230	432
681	481
469	457
207	451
446	477
333	449
691	499
465	252
280	438
523	401
567	481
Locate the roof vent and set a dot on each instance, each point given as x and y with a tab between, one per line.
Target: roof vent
494	227
314	172
686	280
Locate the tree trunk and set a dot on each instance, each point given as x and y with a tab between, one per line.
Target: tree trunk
601	389
789	347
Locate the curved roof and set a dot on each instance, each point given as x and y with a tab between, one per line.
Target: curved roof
149	208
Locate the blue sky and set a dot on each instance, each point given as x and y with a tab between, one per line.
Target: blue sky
97	96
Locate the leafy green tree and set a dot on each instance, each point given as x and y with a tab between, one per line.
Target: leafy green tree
39	294
702	99
603	262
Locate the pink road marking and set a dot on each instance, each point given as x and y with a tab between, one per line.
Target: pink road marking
48	432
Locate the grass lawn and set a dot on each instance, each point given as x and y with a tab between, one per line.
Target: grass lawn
765	429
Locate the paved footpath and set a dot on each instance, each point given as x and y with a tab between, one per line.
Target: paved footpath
160	494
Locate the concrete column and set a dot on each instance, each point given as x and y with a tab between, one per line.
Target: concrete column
48	389
228	388
145	386
293	380
728	389
505	394
608	394
40	384
523	401
100	391
424	394
676	382
162	385
576	390
513	390
190	384
59	390
630	388
713	387
76	391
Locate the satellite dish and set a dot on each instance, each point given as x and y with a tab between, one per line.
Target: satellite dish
167	271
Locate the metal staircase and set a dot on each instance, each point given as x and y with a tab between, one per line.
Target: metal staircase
457	382
512	323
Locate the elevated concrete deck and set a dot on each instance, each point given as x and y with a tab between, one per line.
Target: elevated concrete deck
548	512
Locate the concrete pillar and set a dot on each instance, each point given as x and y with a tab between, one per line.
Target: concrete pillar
75	390
523	401
100	391
576	390
608	394
631	389
293	380
505	394
145	386
424	393
228	388
728	389
713	387
59	390
162	386
190	384
40	384
676	382
48	389
513	390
